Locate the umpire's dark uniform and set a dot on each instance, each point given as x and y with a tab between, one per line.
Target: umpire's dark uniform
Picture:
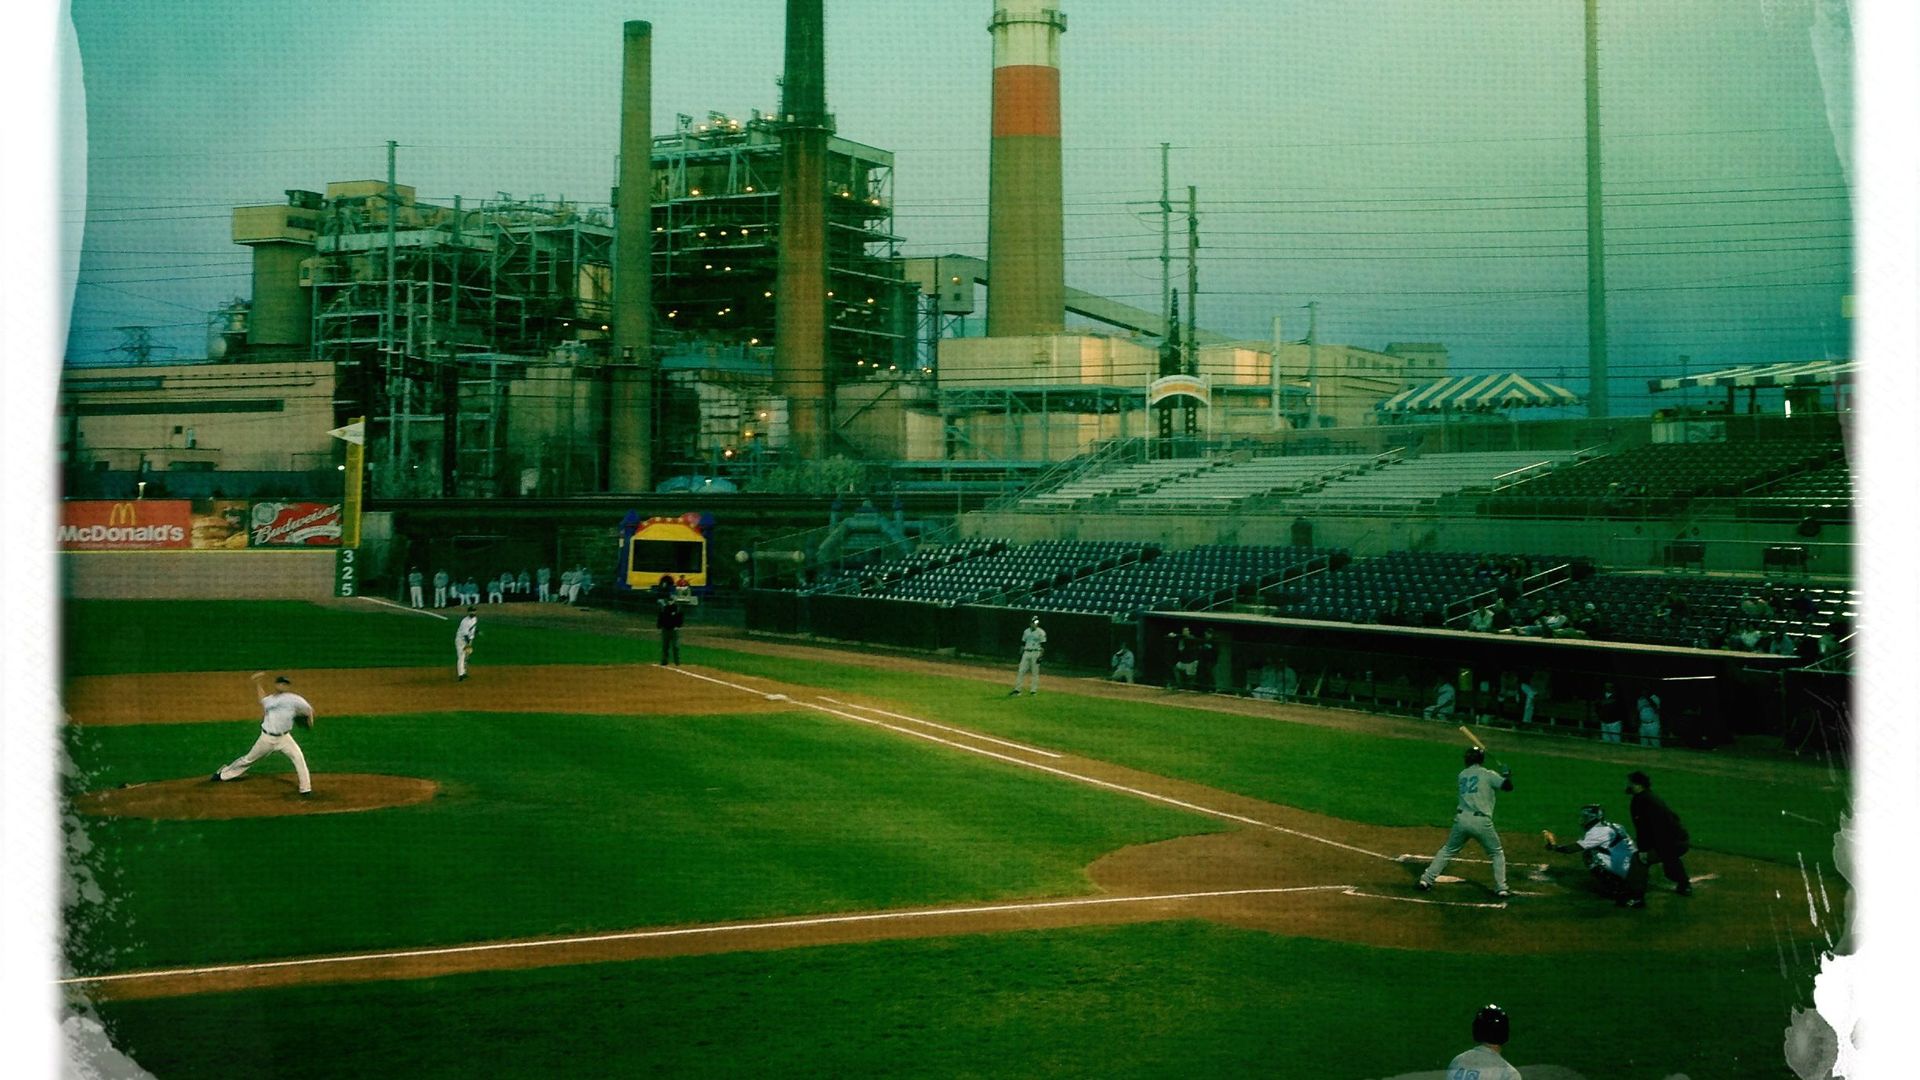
1658	832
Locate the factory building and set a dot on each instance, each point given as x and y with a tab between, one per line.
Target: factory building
431	319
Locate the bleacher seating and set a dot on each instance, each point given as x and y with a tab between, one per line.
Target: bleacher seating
856	579
1124	480
1404	587
1411	482
1204	575
1014	570
1637	607
1658	478
1221	487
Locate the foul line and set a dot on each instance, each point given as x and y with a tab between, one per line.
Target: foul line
693	931
402	607
1093	780
943	727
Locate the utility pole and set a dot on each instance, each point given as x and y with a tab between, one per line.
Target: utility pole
1166	246
1193	295
1596	241
392	331
1313	364
1273	396
1193	277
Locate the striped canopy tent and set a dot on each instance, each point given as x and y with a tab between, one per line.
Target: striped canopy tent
1479	393
1765	376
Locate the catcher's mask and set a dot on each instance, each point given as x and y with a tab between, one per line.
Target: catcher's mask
1490	1025
1591	813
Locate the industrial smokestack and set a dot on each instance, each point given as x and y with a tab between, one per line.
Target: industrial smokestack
1026	261
630	410
800	296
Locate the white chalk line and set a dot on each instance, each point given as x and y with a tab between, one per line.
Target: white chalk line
1095	781
695	931
402	607
943	727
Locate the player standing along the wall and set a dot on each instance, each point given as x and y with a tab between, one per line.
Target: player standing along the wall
1473	819
440	580
415	588
1485	1062
463	642
1033	641
280	710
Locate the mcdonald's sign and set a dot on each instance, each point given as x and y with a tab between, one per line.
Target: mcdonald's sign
125	525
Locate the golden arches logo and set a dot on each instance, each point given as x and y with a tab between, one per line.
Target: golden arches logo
123	513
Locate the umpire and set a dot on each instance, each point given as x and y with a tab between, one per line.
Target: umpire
1658	832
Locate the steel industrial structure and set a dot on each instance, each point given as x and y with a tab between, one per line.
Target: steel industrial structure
403	297
716	226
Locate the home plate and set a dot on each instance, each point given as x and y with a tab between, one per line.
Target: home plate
776	697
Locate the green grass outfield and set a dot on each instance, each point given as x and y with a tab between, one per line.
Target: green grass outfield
1162	1000
553	824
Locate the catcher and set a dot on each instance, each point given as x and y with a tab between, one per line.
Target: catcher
280	710
463	642
1609	854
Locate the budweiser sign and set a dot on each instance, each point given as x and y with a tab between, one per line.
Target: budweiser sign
129	525
296	524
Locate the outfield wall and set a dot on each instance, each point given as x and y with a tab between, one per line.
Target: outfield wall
258	574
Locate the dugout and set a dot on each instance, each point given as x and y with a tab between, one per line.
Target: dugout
1707	695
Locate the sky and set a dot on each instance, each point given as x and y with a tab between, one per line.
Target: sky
1415	168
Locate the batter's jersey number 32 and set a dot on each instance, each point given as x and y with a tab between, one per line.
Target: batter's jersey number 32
346	572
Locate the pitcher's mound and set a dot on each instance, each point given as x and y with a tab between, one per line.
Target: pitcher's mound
256	796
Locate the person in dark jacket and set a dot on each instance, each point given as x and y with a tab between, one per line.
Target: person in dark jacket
1658	832
668	618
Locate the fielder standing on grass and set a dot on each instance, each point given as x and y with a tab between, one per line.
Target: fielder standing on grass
280	710
1473	819
1033	641
463	642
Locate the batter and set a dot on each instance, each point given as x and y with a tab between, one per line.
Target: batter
1473	819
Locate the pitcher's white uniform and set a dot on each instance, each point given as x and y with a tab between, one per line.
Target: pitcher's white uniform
1473	818
463	642
1032	642
276	736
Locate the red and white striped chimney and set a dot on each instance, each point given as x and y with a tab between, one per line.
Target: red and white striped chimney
1026	260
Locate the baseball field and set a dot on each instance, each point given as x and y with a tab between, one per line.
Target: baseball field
787	860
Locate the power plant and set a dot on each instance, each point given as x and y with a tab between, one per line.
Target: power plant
741	303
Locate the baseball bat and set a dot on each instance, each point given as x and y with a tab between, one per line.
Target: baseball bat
1471	737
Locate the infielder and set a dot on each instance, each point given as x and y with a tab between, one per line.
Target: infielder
1033	641
1484	1062
280	710
414	587
1473	818
1609	854
463	642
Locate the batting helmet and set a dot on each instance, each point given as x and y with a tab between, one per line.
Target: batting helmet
1475	755
1490	1025
1591	813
